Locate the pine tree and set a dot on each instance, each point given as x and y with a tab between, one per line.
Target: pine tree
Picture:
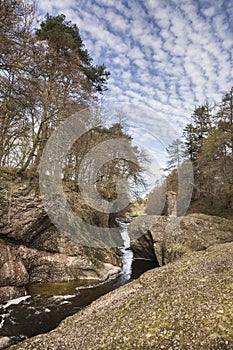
176	153
196	132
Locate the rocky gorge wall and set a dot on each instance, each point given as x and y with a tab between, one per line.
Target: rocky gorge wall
33	250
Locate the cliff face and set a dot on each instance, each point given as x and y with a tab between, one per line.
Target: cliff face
33	250
193	233
183	305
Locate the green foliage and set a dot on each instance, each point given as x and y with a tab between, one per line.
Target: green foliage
64	37
196	132
98	76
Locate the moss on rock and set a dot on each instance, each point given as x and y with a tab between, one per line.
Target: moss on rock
184	305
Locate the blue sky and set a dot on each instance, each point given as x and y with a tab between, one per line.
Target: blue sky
166	55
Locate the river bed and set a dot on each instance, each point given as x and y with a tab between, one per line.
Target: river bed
31	315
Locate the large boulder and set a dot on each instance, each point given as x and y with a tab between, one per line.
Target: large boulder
54	267
171	237
184	305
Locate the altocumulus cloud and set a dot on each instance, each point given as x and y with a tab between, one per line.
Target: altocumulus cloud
169	56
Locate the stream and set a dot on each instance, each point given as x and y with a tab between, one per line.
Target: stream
28	316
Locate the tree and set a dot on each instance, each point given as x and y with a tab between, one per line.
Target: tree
196	132
64	38
224	120
209	141
176	153
66	80
190	136
216	160
125	162
47	75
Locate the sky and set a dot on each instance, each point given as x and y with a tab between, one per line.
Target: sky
166	57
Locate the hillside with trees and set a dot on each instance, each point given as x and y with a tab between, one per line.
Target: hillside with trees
47	75
208	143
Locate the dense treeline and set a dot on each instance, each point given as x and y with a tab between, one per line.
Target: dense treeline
208	143
47	75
